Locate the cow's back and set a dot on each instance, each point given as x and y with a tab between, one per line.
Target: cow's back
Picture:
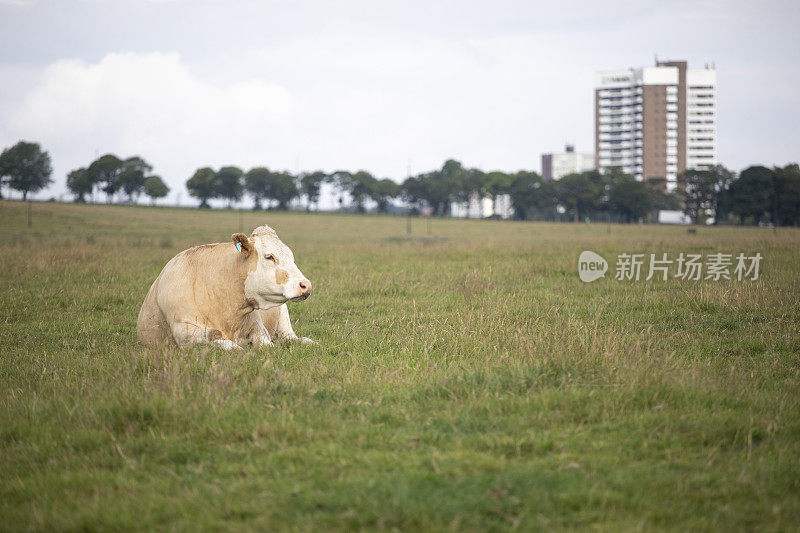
174	294
152	328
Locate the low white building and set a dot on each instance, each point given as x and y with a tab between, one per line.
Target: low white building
673	217
503	207
556	166
483	207
475	208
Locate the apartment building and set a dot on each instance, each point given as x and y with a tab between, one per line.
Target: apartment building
655	122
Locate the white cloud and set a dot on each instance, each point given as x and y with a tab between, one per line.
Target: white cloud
151	105
374	101
356	85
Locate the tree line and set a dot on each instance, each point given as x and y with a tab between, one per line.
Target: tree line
25	167
436	191
114	176
277	189
757	195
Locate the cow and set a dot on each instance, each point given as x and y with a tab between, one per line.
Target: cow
230	295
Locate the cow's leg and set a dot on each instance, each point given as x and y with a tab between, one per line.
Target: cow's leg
254	332
284	331
226	344
261	337
188	333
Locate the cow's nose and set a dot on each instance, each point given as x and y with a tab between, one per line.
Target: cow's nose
305	287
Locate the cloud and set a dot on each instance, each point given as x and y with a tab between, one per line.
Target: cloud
371	101
152	105
381	89
377	100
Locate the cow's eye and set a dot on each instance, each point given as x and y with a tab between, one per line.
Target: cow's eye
270	257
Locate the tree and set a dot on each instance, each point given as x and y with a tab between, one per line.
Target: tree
660	197
229	184
498	183
341	179
132	175
155	188
414	193
629	198
79	184
579	193
531	197
751	195
384	190
27	167
310	184
435	195
282	188
438	188
256	182
603	181
104	171
699	191
448	185
787	190
705	193
361	186
723	179
203	185
472	182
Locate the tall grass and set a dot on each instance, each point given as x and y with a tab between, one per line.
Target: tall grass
465	380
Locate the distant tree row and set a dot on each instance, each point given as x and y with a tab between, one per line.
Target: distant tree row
610	196
279	188
577	195
112	175
759	195
230	183
756	196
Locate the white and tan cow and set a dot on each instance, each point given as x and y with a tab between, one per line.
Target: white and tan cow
227	294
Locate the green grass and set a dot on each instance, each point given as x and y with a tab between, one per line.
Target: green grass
463	381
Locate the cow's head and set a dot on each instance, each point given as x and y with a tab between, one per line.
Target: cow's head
273	278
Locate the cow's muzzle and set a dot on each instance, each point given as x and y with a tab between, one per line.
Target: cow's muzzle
305	290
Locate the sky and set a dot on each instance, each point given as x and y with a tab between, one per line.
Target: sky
390	87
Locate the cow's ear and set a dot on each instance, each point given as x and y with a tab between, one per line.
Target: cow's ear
242	243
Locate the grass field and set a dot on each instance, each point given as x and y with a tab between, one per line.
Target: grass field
463	381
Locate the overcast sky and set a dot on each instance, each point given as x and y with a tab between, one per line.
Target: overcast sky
377	85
